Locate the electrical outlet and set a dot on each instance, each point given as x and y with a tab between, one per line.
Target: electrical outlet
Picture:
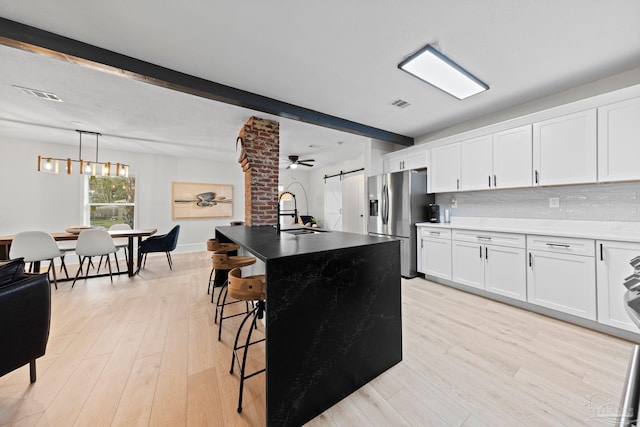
554	202
454	203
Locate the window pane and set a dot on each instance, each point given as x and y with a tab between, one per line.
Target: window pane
111	189
106	216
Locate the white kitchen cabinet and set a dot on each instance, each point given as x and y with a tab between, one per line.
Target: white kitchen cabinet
512	158
500	160
559	278
406	160
492	261
445	168
434	252
612	267
565	149
619	141
476	163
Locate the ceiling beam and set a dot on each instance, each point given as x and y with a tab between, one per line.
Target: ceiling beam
33	39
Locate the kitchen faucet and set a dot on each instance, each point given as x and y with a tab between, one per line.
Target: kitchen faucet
293	213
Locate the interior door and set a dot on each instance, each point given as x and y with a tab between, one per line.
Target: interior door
353	204
333	204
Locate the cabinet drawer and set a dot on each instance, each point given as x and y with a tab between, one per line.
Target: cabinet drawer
565	245
490	238
435	232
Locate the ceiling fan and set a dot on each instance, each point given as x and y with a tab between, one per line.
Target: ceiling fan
294	162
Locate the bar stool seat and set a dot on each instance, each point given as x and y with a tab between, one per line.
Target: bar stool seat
221	260
250	288
216	245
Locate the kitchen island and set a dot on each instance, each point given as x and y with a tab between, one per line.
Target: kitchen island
333	318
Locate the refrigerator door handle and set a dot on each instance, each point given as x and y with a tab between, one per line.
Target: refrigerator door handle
385	204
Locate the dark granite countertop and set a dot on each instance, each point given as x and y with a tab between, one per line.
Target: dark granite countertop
265	243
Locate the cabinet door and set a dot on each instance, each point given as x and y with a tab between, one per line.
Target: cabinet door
445	168
562	282
468	264
619	141
564	149
612	268
476	163
505	271
392	164
436	257
416	160
512	158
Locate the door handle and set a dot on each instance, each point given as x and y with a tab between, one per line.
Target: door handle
530	259
601	253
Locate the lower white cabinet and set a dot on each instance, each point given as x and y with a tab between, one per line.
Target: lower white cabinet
498	268
434	252
612	267
560	279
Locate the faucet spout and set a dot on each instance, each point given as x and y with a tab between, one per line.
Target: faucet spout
293	213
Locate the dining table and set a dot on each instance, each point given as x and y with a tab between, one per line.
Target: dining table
5	244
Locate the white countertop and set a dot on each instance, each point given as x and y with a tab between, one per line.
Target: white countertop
600	230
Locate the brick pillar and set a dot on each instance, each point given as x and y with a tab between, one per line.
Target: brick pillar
260	148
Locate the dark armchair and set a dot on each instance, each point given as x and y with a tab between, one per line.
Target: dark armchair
164	243
25	315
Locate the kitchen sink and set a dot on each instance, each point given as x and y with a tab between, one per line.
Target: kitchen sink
303	231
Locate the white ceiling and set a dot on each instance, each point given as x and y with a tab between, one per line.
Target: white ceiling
335	57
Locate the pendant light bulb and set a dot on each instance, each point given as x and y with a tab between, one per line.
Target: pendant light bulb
48	166
87	168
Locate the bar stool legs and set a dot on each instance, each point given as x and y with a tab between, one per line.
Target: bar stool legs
255	314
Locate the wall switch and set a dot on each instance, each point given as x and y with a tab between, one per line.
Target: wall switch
554	202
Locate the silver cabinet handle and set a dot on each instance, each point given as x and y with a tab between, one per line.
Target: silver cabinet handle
434	233
495	182
480	251
483	237
489	181
536	177
458	183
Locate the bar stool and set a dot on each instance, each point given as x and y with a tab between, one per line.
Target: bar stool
222	261
215	245
250	288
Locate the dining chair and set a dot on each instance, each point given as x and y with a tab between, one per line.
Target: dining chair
119	242
66	247
164	243
94	242
34	247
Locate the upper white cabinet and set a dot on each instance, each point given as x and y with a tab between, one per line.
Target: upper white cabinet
476	163
445	168
500	160
612	267
565	148
512	158
406	160
619	141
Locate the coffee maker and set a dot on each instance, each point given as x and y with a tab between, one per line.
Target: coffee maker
433	212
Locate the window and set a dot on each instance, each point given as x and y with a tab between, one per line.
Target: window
110	200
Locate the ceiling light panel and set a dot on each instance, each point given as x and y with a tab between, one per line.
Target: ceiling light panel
39	93
434	68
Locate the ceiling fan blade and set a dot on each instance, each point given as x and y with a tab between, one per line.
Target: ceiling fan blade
305	164
307	160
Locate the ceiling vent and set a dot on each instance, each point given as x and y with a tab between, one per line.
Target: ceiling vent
400	103
39	93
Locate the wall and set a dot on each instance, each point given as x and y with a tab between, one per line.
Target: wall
598	202
33	200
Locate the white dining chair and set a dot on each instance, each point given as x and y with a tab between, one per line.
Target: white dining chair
120	242
34	247
66	247
92	243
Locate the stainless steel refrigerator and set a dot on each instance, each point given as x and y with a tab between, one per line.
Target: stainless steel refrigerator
397	201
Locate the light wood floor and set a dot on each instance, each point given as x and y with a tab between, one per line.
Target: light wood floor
143	351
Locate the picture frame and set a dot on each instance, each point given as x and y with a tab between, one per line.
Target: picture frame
198	200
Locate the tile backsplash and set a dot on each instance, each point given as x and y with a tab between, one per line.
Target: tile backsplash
595	202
